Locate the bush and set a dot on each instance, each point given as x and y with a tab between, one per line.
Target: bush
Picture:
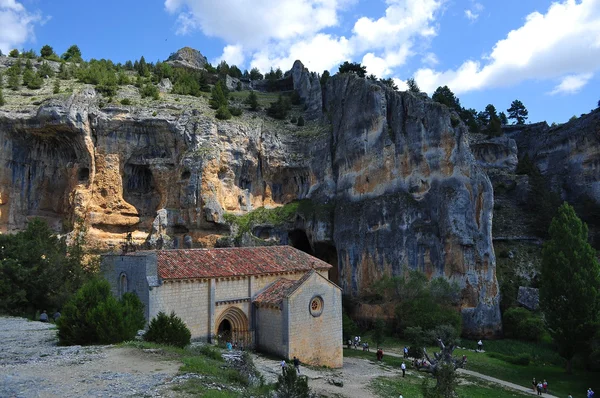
223	113
56	88
2	101
45	70
300	121
14	53
252	101
94	315
150	90
521	324
125	101
280	108
292	385
169	330
235	111
293	120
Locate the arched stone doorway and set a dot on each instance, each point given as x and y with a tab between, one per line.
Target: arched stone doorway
233	326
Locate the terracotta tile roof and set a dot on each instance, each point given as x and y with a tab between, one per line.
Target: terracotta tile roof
280	289
275	293
238	261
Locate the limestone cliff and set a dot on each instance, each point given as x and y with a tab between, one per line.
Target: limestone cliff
384	181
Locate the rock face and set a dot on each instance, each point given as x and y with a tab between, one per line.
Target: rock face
567	154
498	153
309	88
386	183
529	298
188	57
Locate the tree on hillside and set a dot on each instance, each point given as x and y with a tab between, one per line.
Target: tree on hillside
223	69
326	75
494	125
503	118
14	53
389	82
353	67
142	68
517	112
73	54
2	101
413	87
445	96
46	51
234	71
255	74
252	101
218	96
570	279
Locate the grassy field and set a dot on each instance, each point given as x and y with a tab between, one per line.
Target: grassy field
545	364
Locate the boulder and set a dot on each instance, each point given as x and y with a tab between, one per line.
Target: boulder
188	57
165	85
529	298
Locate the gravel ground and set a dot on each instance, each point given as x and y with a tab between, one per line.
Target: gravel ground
32	365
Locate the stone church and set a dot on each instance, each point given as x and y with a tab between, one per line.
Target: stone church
277	299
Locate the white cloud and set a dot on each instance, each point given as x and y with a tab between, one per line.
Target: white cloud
233	55
572	84
277	33
473	13
565	41
430	59
16	25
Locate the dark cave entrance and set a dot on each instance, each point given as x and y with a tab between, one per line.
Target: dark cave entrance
139	189
324	251
83	175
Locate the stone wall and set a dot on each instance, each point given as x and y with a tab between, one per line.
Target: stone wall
189	300
229	289
316	340
136	268
269	330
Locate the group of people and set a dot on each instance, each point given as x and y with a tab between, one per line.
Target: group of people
44	316
296	363
539	386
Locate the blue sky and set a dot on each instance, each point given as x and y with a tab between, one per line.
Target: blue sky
487	51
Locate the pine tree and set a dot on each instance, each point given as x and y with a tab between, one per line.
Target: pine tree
252	101
518	112
2	101
13	81
218	97
412	86
56	88
570	279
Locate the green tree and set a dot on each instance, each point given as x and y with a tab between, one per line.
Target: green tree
570	279
517	112
2	100
46	51
223	69
255	74
169	330
35	83
503	118
445	96
412	86
14	53
300	121
73	54
13	81
28	76
353	67
63	71
291	385
280	108
150	90
324	78
45	70
56	88
379	332
223	113
252	101
143	69
234	71
494	126
389	82
218	96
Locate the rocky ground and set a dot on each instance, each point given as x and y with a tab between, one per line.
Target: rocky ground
32	365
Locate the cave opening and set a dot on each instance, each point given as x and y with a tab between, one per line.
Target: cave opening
186	175
323	251
139	178
140	189
83	175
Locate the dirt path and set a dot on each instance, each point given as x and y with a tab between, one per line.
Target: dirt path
32	365
356	376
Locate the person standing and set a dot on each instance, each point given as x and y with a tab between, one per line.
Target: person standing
44	316
297	364
480	346
545	386
590	393
405	352
56	315
539	388
283	366
534	384
403	367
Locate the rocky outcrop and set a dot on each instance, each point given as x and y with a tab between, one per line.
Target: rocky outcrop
385	185
567	154
529	298
308	86
187	57
495	154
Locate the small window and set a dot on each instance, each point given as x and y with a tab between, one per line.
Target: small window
122	284
316	306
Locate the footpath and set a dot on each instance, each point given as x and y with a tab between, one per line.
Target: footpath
490	379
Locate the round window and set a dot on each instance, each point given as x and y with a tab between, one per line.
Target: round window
316	306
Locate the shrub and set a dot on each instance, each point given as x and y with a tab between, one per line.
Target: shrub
223	113
521	324
292	385
252	101
150	90
169	330
300	121
2	101
46	51
293	120
295	98
235	111
13	53
56	88
94	315
35	83
125	101
219	95
45	70
280	108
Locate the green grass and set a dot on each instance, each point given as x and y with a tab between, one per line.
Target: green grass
264	99
411	387
275	216
546	363
387	359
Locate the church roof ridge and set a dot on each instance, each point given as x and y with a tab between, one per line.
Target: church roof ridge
230	262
